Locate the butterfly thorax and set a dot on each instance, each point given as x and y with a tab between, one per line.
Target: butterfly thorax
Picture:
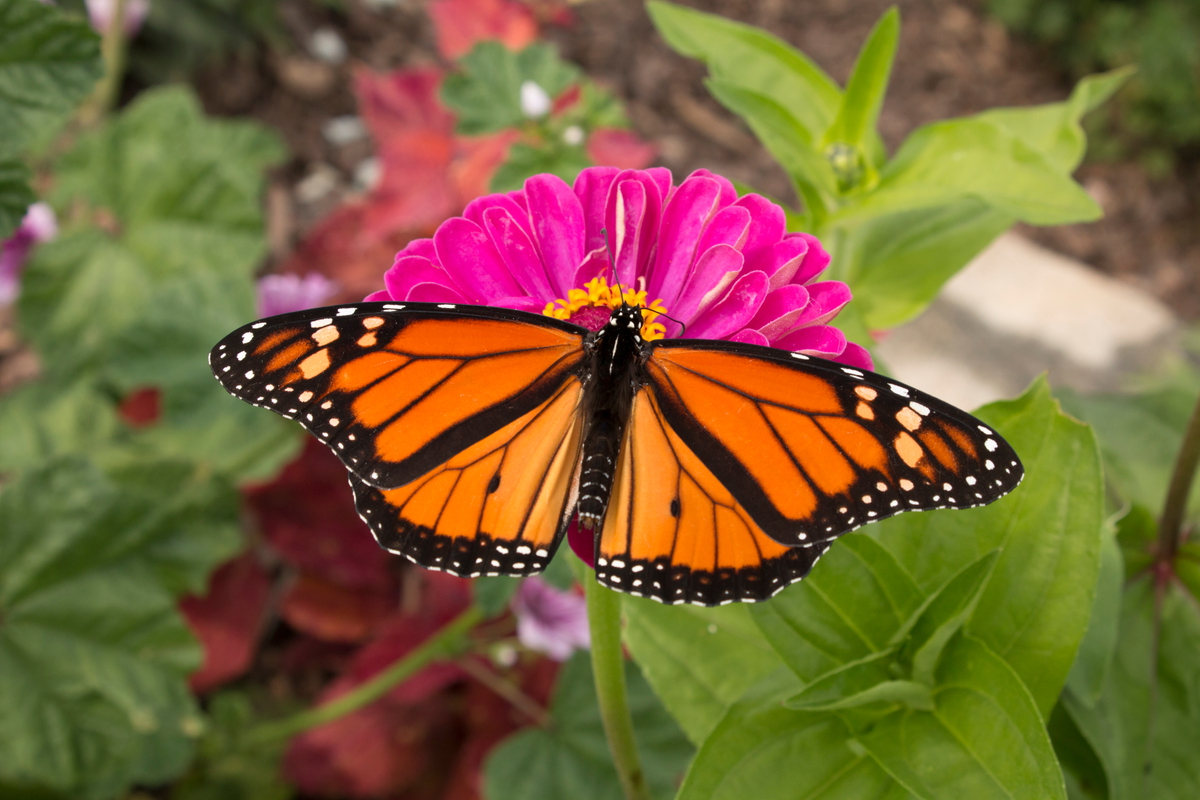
611	374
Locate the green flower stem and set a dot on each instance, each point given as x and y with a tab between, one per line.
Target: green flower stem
445	642
608	664
112	50
1170	529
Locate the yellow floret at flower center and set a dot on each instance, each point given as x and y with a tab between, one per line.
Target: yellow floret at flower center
596	293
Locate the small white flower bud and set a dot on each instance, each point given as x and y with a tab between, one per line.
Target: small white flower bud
534	100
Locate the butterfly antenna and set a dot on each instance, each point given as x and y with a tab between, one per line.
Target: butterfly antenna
612	265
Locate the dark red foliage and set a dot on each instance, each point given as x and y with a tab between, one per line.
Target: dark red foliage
228	620
461	24
141	408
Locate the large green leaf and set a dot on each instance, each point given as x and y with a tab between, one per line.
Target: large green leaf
182	194
570	758
1035	607
48	62
748	58
983	739
698	660
1143	726
15	195
93	653
40	420
1092	663
486	93
763	751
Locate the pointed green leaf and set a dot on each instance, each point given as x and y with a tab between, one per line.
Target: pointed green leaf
984	739
49	61
1037	602
749	58
571	757
861	683
698	660
858	112
851	606
15	195
944	615
1090	669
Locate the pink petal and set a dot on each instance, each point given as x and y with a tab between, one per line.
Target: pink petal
730	226
827	298
825	341
472	263
382	296
410	271
433	293
591	187
477	209
662	179
856	356
780	311
638	196
684	218
767	225
582	542
734	310
594	265
714	272
558	226
518	253
419	247
729	194
747	336
814	262
522	303
782	261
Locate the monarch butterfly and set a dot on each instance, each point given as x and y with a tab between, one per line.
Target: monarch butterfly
711	471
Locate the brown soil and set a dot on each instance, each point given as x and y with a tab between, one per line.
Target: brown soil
953	60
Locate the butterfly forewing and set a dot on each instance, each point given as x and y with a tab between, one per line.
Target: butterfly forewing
812	449
396	390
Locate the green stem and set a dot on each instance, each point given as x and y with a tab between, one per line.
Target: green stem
443	643
1170	529
608	664
112	50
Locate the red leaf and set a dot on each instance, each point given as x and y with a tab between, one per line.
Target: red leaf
227	620
334	613
308	516
614	147
141	408
460	24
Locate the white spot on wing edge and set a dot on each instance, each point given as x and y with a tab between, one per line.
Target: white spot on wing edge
321	323
900	390
258	325
343	312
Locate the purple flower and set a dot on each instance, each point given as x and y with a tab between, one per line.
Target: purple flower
279	294
550	621
38	225
724	266
101	12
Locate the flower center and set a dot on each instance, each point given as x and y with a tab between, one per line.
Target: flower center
591	306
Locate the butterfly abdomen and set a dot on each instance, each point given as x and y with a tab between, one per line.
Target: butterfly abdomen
596	476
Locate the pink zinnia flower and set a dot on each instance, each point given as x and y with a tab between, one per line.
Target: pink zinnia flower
279	294
38	225
723	266
550	621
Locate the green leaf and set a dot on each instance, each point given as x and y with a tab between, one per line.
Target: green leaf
184	196
746	57
93	653
15	195
1082	770
850	607
1035	607
1053	129
698	660
493	594
787	140
525	160
763	751
48	62
1143	726
1090	669
984	739
40	420
486	94
861	683
944	162
896	264
1139	436
571	757
227	768
858	112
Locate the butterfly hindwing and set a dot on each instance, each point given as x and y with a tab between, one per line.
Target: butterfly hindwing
398	389
498	507
812	449
674	533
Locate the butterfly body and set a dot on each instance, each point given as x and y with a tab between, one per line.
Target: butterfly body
708	471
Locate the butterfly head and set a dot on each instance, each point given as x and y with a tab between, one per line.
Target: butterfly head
626	317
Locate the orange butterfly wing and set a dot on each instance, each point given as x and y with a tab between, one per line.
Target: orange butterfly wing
459	426
783	451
